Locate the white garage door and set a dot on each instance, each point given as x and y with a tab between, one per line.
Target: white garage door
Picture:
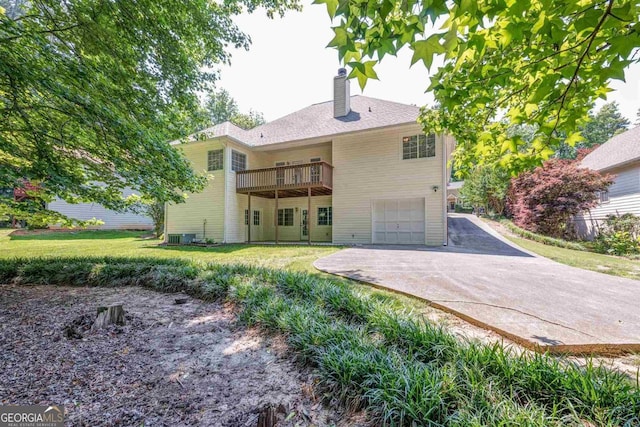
398	221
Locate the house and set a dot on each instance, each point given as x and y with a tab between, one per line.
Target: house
453	194
620	156
112	220
354	170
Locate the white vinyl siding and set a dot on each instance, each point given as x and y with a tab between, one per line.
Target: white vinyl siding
368	166
623	197
112	220
208	205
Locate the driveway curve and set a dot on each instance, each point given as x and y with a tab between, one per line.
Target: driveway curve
489	281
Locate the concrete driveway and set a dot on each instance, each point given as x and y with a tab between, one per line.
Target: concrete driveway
489	281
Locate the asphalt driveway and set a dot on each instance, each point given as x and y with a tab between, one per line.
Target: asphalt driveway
487	280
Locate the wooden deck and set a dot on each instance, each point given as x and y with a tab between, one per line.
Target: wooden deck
289	181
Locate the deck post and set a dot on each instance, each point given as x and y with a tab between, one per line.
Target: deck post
309	215
249	218
276	217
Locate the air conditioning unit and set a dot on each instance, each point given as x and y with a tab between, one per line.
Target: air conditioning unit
181	239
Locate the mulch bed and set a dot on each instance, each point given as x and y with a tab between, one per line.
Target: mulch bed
170	364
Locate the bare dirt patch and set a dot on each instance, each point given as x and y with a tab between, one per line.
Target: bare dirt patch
170	364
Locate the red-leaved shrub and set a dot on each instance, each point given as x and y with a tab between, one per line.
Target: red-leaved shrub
545	199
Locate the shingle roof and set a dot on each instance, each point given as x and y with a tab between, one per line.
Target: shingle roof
317	121
622	148
455	185
222	129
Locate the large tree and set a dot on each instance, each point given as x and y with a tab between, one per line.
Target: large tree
486	187
600	127
538	62
92	90
220	107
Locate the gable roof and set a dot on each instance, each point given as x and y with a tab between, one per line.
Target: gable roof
317	121
619	150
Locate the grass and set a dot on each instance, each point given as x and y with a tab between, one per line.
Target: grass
612	265
131	244
615	266
368	350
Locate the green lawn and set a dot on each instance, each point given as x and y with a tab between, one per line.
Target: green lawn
616	266
132	244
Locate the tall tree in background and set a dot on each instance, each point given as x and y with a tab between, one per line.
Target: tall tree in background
92	90
221	107
486	187
602	125
637	122
537	62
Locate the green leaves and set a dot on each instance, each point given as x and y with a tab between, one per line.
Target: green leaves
92	91
332	6
536	62
424	50
363	72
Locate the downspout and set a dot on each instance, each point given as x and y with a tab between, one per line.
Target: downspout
225	167
445	217
166	222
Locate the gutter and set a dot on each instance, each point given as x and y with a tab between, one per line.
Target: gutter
445	217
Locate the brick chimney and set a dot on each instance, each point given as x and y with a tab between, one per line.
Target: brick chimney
341	94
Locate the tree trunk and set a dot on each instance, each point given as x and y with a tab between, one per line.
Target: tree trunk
111	315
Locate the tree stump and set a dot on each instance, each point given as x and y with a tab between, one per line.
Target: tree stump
268	417
111	315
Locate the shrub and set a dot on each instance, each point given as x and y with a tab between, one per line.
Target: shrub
546	199
461	209
370	351
542	239
620	235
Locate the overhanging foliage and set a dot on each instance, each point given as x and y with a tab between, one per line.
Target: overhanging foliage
92	90
539	62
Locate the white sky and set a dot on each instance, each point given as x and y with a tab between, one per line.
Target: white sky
288	67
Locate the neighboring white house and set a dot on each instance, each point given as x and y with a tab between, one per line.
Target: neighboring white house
620	156
354	170
112	220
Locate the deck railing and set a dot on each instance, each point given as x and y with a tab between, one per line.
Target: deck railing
317	174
